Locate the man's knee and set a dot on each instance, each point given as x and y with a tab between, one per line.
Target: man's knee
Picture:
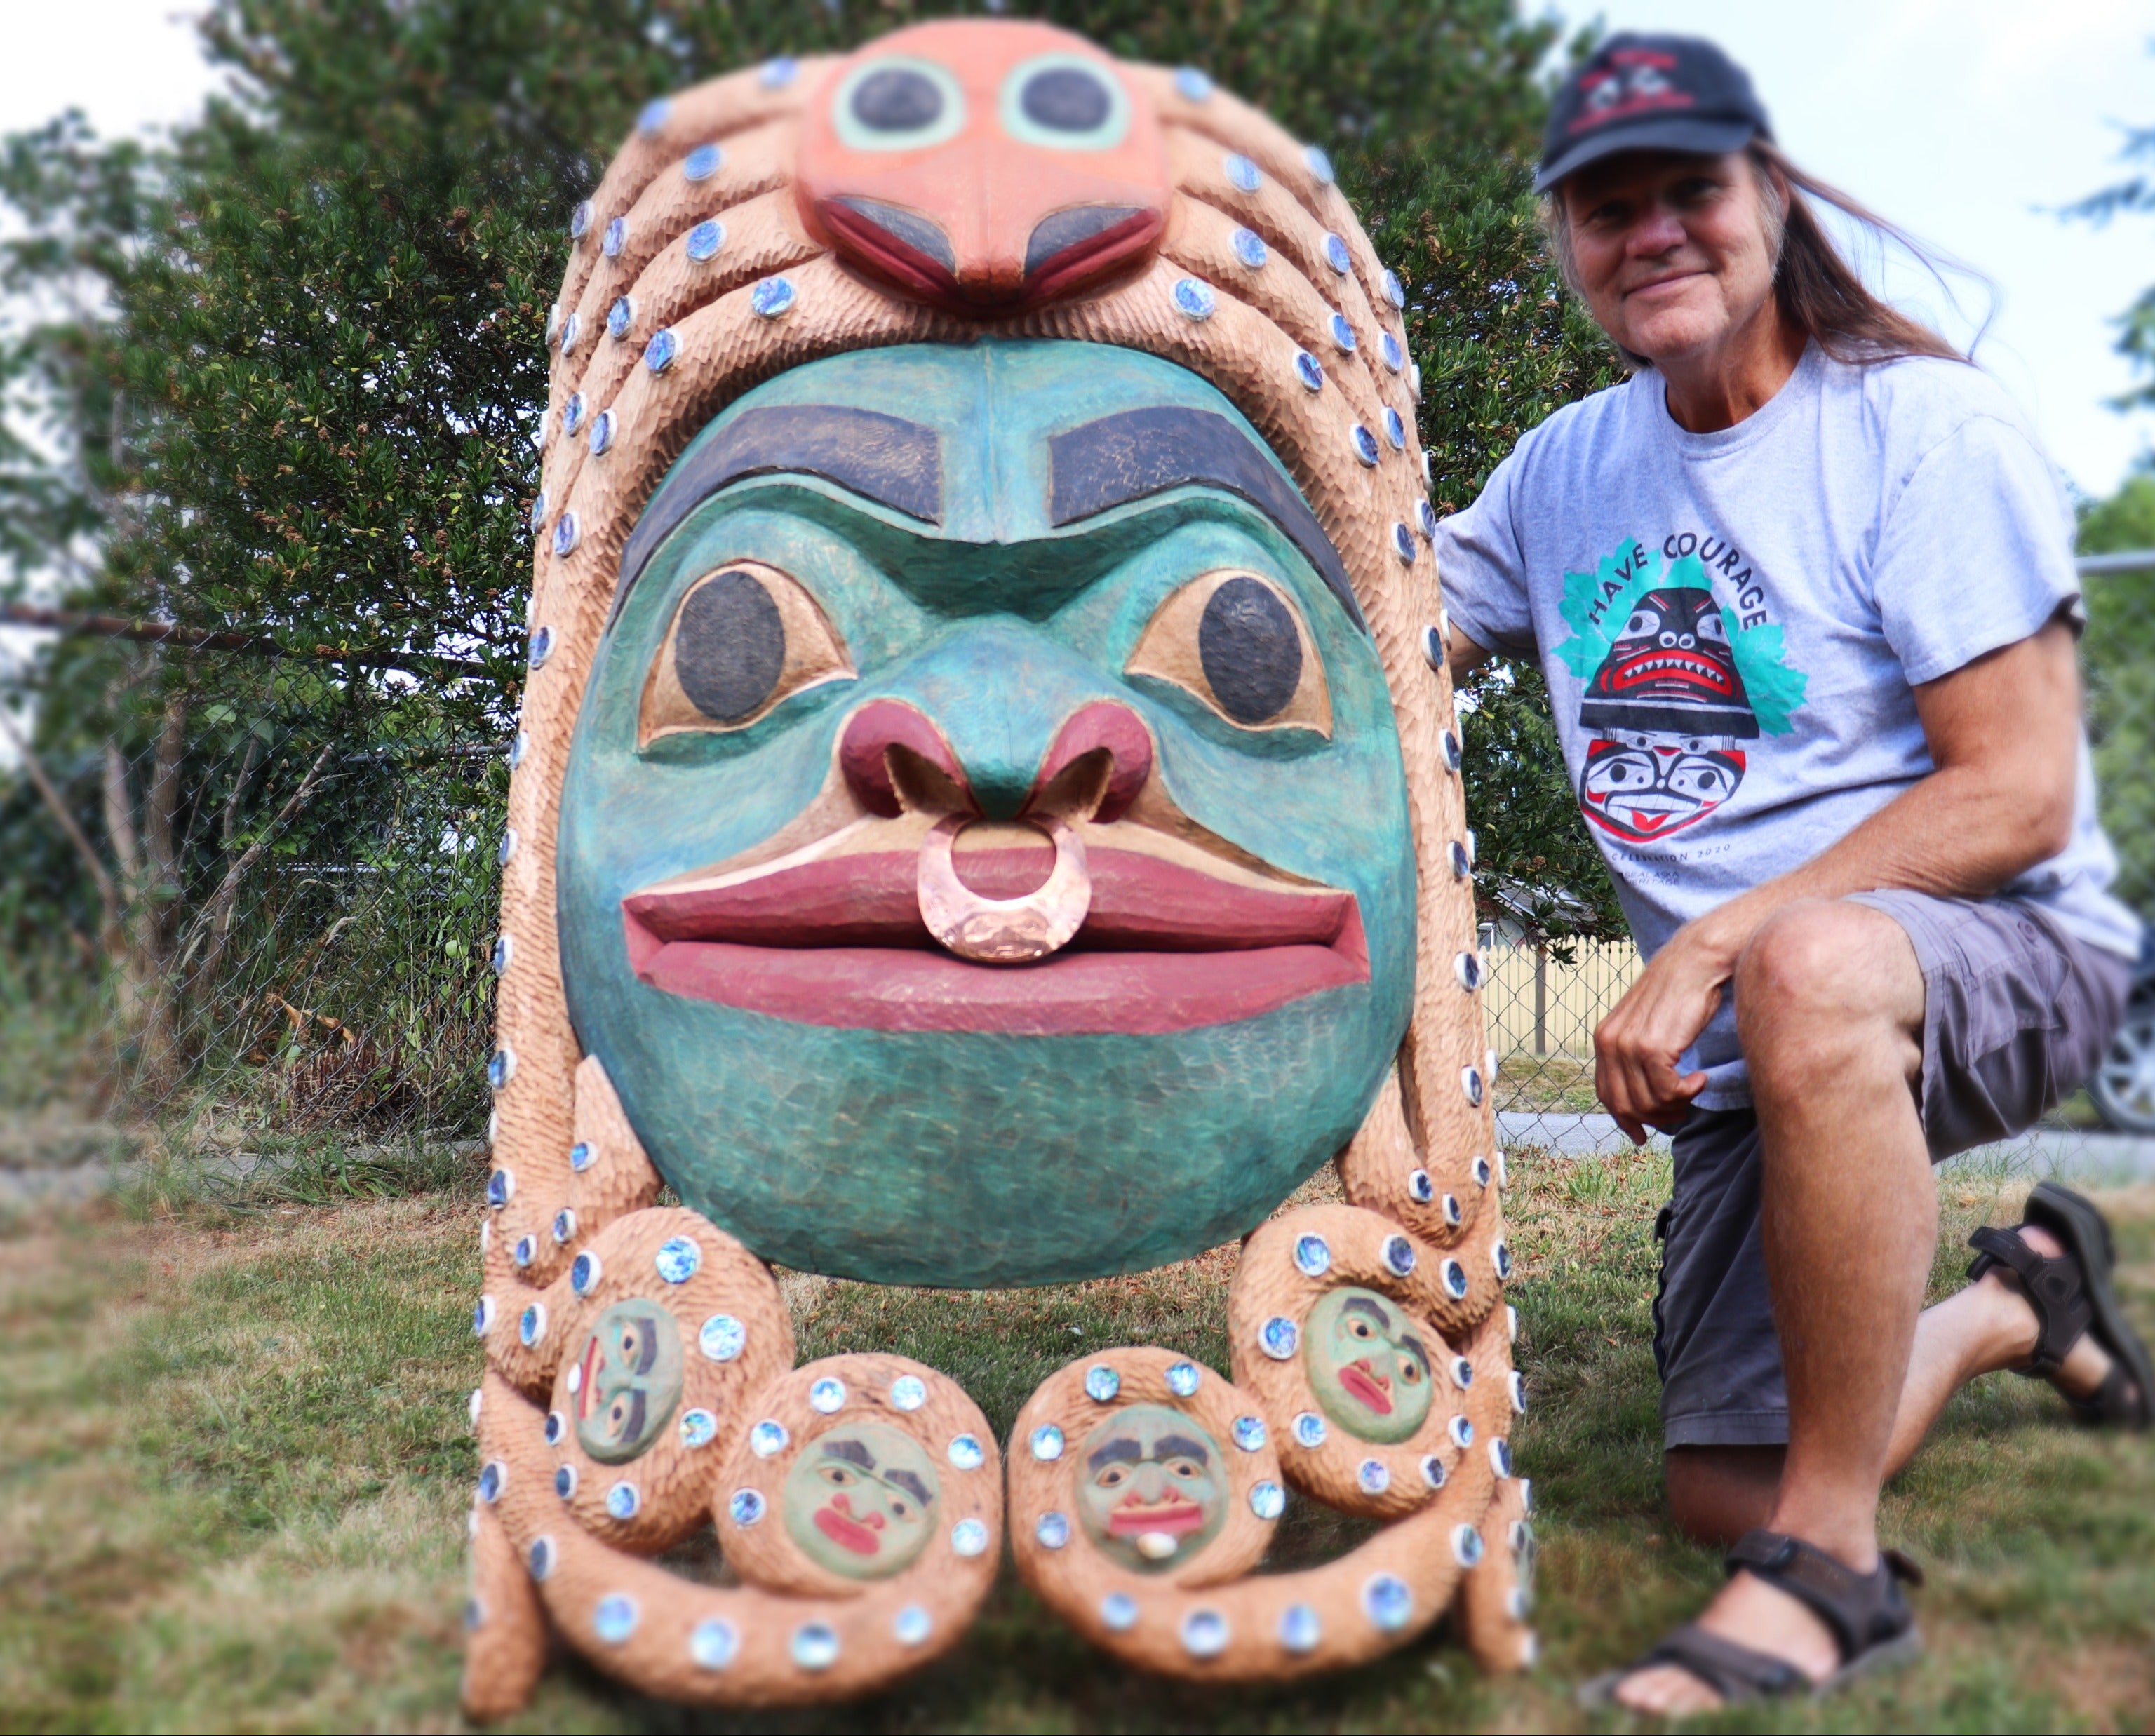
1717	1494
1824	978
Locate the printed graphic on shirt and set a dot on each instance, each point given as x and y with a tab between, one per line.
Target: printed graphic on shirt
1671	691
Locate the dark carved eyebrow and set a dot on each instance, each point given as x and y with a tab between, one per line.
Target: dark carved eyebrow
1409	1341
851	1451
1363	1305
1181	1447
911	1484
884	459
1136	452
1121	1448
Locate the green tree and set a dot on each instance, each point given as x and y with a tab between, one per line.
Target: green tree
2119	655
291	386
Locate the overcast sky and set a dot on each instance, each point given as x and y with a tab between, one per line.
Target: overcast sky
1962	120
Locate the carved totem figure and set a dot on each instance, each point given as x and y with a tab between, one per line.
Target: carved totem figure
986	812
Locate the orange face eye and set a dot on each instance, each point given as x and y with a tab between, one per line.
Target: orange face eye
1064	102
898	102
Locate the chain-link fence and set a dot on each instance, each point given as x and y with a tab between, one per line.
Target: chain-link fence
245	904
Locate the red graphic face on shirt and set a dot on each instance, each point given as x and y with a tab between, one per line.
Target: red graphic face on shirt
1652	787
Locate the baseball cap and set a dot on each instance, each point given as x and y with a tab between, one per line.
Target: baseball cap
1649	93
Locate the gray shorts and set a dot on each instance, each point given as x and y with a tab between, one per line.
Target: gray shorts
2016	1013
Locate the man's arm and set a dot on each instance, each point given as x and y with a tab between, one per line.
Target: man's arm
1463	657
2004	732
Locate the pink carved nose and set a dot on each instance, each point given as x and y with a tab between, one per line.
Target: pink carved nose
1104	745
885	731
894	758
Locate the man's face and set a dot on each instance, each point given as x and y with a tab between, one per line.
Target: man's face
861	1500
628	1381
1152	1489
982	583
1367	1364
1671	249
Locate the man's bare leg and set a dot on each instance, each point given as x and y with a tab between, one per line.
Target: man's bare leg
1717	1494
1830	1004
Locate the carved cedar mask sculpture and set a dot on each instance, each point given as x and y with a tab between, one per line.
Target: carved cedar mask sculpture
986	812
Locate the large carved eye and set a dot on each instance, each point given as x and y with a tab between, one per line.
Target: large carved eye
1713	630
743	639
895	102
1237	643
1065	102
1643	623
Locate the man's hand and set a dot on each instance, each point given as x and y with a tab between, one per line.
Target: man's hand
1636	1046
2004	732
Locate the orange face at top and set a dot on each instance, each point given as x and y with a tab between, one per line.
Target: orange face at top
984	166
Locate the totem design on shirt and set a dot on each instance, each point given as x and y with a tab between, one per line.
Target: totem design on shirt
1668	703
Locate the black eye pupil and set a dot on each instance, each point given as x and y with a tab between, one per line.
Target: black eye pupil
730	648
1251	651
1065	99
897	99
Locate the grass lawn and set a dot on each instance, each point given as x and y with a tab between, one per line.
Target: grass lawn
234	1462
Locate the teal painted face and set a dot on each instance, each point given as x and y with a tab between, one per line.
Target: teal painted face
983	855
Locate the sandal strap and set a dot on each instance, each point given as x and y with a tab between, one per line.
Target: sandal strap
2054	1284
1863	1610
2117	1403
1735	1672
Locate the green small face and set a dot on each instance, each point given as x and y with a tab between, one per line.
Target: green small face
861	1501
1152	1488
1367	1364
629	1382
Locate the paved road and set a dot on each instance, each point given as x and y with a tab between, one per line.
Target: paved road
2068	1155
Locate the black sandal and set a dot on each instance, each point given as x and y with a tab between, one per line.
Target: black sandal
1872	1626
2073	1295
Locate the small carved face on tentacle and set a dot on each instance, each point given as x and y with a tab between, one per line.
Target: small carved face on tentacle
1367	1364
627	1381
861	1501
991	727
1152	1488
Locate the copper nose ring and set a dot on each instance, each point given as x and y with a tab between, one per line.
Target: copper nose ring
1004	931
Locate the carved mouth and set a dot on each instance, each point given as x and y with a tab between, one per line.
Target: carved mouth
1176	1518
1365	1387
1176	937
849	1534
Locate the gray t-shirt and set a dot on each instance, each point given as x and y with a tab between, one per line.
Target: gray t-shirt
1731	623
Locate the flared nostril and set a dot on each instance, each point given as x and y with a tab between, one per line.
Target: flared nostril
893	759
1100	758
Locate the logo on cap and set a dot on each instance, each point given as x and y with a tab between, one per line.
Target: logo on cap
1633	81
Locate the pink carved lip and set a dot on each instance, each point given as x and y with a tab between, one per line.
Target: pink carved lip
837	941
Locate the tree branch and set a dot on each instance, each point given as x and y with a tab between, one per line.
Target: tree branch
108	895
171	633
216	919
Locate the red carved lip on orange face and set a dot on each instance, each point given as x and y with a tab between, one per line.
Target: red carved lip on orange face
840	942
1175	1516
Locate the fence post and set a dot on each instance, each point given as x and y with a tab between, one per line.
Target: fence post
1541	998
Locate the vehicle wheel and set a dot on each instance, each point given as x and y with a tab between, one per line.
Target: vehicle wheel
2123	1086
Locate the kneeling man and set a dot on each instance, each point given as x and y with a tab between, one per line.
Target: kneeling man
1803	590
